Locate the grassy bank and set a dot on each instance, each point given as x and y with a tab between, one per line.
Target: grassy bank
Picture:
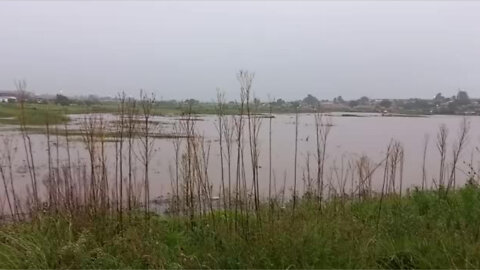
38	114
34	114
420	230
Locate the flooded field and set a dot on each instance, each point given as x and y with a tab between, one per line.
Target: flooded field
350	138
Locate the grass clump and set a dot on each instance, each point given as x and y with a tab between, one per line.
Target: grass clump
424	229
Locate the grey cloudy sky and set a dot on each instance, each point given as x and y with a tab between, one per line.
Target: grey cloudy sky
187	49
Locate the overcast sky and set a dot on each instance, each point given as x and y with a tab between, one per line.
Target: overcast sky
188	49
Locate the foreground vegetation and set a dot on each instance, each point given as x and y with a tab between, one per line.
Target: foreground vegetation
421	230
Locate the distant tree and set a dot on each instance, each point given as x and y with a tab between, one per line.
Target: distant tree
452	106
280	102
416	104
399	103
439	97
62	100
22	94
339	100
92	100
385	103
310	100
353	103
168	102
191	101
462	98
364	100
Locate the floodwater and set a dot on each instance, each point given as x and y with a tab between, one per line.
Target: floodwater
349	139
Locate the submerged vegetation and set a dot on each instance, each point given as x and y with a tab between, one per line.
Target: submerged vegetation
87	214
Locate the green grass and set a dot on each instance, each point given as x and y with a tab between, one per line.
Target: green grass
39	114
421	230
35	114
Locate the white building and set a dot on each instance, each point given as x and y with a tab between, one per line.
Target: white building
7	99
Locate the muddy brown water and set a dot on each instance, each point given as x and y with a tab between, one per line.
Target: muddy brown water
350	138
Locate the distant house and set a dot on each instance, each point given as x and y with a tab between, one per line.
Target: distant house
8	96
8	99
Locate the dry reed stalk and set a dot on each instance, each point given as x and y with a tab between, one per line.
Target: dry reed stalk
68	174
341	175
131	111
457	150
246	79
195	187
102	160
240	198
6	190
59	179
220	110
90	126
395	160
147	103
187	125
121	110
424	168
21	87
51	184
442	149
229	132
270	102
385	181
177	146
308	191
322	131
9	150
295	161
203	149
